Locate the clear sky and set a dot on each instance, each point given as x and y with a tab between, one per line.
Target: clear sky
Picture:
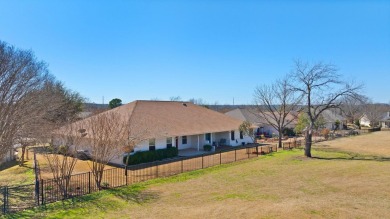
215	50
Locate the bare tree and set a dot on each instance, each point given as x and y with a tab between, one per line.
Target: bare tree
175	98
107	135
322	89
24	142
136	132
30	98
353	107
375	112
20	76
277	105
198	101
247	129
61	156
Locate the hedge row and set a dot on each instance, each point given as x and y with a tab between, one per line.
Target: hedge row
150	156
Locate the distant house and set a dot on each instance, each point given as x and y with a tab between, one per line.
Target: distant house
254	117
9	156
331	117
385	121
177	124
364	121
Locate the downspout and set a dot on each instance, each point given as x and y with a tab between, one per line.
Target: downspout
198	142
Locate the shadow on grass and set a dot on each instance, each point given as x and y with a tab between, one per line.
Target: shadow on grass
359	157
8	165
104	200
14	163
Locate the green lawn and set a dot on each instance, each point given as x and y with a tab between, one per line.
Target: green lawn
281	185
12	174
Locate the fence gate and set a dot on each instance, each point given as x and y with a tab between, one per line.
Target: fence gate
17	198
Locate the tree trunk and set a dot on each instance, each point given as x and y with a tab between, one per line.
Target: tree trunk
308	139
21	162
280	139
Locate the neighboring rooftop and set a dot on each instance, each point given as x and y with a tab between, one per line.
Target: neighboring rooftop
332	116
253	116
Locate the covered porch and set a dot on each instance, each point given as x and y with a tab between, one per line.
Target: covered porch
196	142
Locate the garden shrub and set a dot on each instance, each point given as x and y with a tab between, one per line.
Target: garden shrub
289	132
207	147
150	156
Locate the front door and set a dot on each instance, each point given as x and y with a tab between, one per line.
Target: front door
177	142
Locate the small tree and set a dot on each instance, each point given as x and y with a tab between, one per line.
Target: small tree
106	137
337	124
246	129
61	156
115	103
275	103
24	142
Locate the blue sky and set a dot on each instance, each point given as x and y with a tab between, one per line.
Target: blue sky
215	50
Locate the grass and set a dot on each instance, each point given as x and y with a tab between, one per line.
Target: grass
12	174
341	181
82	166
373	144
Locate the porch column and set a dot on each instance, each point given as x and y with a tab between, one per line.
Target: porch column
211	138
198	142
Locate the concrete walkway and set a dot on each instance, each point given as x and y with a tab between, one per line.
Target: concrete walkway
191	152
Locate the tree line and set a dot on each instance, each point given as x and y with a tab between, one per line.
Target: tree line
305	93
32	101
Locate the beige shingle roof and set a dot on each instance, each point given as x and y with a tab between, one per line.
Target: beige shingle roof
170	118
253	116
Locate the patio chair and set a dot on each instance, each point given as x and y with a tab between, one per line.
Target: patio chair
221	142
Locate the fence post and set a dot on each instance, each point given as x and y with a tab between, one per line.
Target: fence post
182	165
235	154
220	157
257	150
89	182
126	175
202	162
247	149
37	186
42	193
5	196
157	171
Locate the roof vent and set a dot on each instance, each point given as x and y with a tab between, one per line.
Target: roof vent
184	104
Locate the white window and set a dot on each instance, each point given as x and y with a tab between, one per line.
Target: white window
152	144
169	142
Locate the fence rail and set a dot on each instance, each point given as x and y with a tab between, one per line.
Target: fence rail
13	199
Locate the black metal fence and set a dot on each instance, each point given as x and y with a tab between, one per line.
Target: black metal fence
17	198
13	199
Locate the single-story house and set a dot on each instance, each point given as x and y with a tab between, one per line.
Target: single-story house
253	116
176	124
9	156
364	121
331	117
385	121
